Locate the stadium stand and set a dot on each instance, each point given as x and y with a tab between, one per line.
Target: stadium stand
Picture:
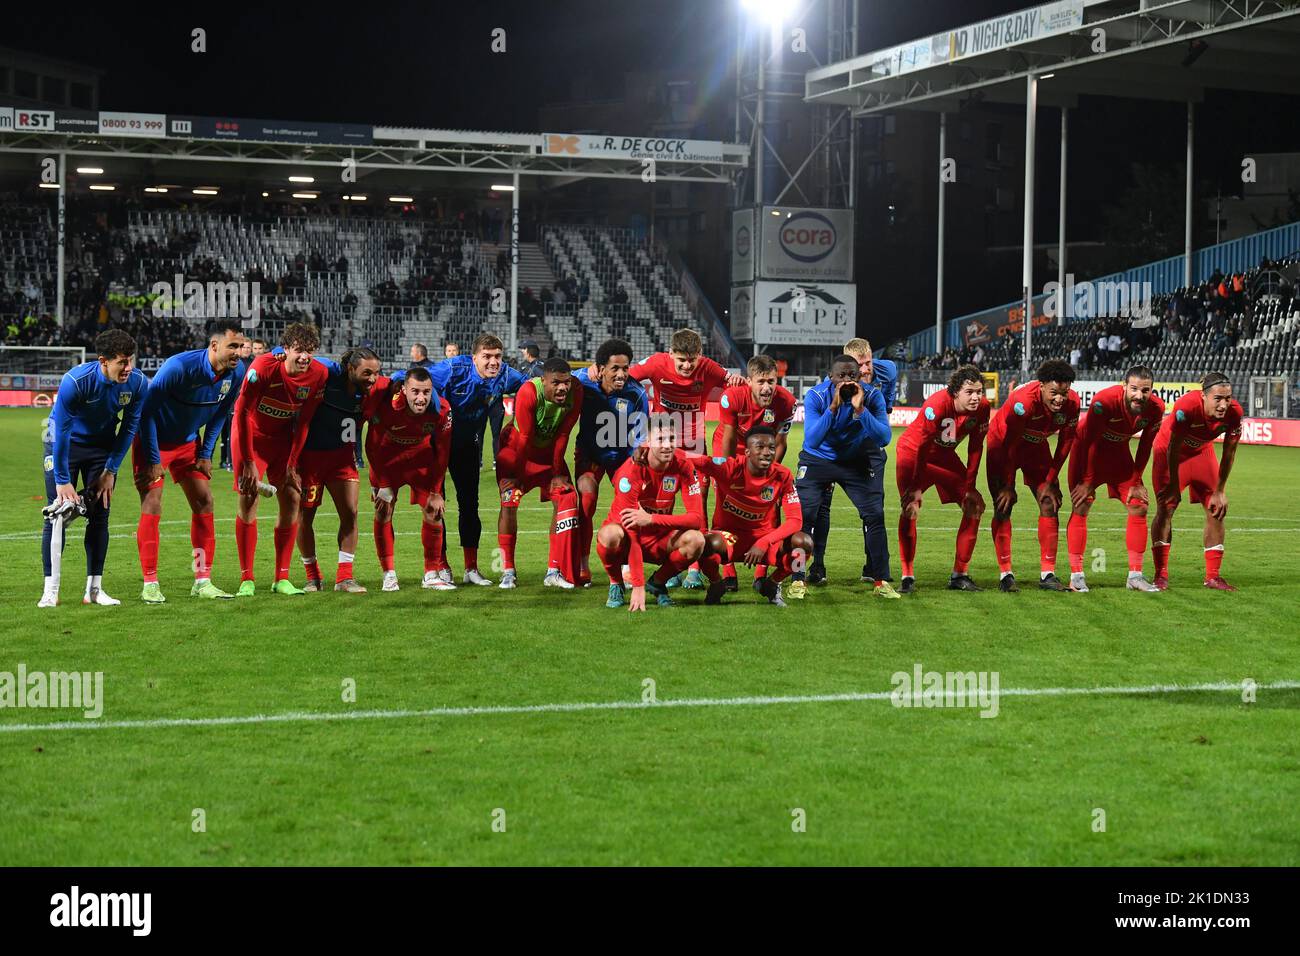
386	282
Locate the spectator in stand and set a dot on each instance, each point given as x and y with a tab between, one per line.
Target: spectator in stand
450	350
420	355
1076	356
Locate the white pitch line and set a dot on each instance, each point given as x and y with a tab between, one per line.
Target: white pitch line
316	717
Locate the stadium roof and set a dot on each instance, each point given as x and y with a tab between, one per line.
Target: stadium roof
168	140
1145	49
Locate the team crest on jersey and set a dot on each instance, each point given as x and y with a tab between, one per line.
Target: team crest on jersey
49	462
303	392
803	470
767	494
929	414
1096	407
1019	408
1141	423
725	402
624	485
430	427
768	417
669	483
620	405
1059	418
252	376
1180	415
124	398
225	387
697	386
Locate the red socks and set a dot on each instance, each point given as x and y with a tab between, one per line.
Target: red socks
967	533
345	567
586	516
506	542
312	567
1161	554
564	536
384	544
431	538
471	558
146	542
1002	543
1213	561
612	560
246	545
676	561
1135	539
906	543
1076	536
284	542
203	540
1049	536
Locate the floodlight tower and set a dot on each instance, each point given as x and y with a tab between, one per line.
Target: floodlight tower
777	41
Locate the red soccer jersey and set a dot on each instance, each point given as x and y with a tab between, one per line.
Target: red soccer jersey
1189	422
739	409
399	441
656	491
1024	422
940	425
684	396
747	503
549	440
274	405
1110	425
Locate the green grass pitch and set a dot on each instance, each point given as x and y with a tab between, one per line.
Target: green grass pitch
1177	777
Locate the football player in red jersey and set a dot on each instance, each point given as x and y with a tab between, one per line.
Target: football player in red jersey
641	525
927	457
751	487
1184	458
682	380
532	456
408	443
759	402
1102	456
1018	436
281	393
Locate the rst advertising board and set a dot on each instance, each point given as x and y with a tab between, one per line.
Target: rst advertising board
808	244
668	149
804	313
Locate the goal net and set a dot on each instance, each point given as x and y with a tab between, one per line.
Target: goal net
39	359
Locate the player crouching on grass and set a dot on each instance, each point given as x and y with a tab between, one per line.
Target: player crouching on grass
927	457
1184	458
1102	456
1018	438
409	443
751	487
191	394
532	456
329	462
273	413
641	525
95	417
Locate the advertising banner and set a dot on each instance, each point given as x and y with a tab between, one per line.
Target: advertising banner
742	245
804	313
807	244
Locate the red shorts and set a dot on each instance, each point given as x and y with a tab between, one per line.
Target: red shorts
270	456
526	473
740	541
942	469
420	481
1033	463
320	468
180	460
1112	465
1199	473
656	544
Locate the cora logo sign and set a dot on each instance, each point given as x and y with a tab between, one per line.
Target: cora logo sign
808	237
